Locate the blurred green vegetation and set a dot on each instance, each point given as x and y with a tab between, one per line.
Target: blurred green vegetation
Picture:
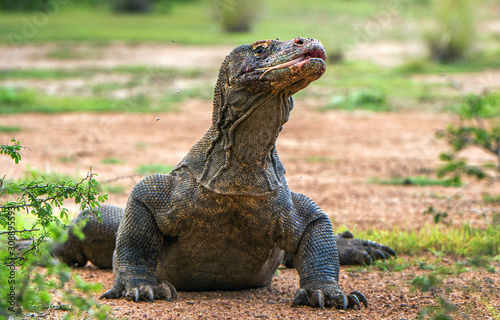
152	168
350	83
451	33
195	22
340	23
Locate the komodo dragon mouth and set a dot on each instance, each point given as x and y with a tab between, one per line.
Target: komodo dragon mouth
299	61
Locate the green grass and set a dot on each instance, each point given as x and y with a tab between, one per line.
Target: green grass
169	74
488	199
152	168
66	159
28	101
320	160
68	51
111	161
420	181
10	129
46	73
111	188
464	241
475	63
11	97
365	99
142	145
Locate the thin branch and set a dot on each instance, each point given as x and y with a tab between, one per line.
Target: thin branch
18	231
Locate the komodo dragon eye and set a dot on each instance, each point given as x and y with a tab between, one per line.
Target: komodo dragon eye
259	49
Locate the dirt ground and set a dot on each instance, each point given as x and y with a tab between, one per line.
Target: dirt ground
330	156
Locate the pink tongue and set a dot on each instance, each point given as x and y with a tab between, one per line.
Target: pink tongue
281	66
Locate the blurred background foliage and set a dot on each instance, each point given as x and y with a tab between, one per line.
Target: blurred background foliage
431	37
448	27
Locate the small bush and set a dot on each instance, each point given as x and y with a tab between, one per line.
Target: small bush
236	15
451	33
474	130
29	290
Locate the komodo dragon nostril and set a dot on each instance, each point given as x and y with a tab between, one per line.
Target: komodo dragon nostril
299	41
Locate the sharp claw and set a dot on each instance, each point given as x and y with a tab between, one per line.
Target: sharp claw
361	297
151	294
353	301
384	254
379	254
300	298
389	250
106	295
173	292
368	259
318	299
341	305
136	294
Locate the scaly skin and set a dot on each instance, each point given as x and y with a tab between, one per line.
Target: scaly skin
99	242
224	216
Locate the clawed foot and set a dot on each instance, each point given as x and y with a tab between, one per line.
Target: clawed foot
338	300
358	251
163	291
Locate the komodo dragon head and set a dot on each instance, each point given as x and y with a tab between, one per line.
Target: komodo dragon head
276	66
252	101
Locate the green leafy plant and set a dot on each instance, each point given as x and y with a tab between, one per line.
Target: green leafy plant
473	131
439	216
443	311
427	282
26	288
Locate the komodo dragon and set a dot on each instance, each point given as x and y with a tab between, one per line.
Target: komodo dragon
223	218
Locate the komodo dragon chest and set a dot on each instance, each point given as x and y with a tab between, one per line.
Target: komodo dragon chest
219	241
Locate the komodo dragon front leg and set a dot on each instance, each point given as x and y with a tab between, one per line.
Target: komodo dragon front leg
138	243
316	259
